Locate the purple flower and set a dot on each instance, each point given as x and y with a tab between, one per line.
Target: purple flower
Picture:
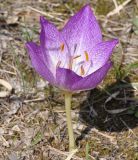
75	58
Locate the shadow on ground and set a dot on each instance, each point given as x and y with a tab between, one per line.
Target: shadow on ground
114	116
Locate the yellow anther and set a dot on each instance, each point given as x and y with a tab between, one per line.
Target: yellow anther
82	70
70	63
62	46
76	57
86	56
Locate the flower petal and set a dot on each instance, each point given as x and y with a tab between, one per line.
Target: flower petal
82	30
66	78
49	40
53	45
49	32
101	53
92	80
38	63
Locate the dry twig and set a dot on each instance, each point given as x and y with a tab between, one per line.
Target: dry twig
119	8
111	138
45	14
7	86
65	153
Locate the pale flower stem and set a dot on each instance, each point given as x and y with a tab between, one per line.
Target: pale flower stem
68	98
